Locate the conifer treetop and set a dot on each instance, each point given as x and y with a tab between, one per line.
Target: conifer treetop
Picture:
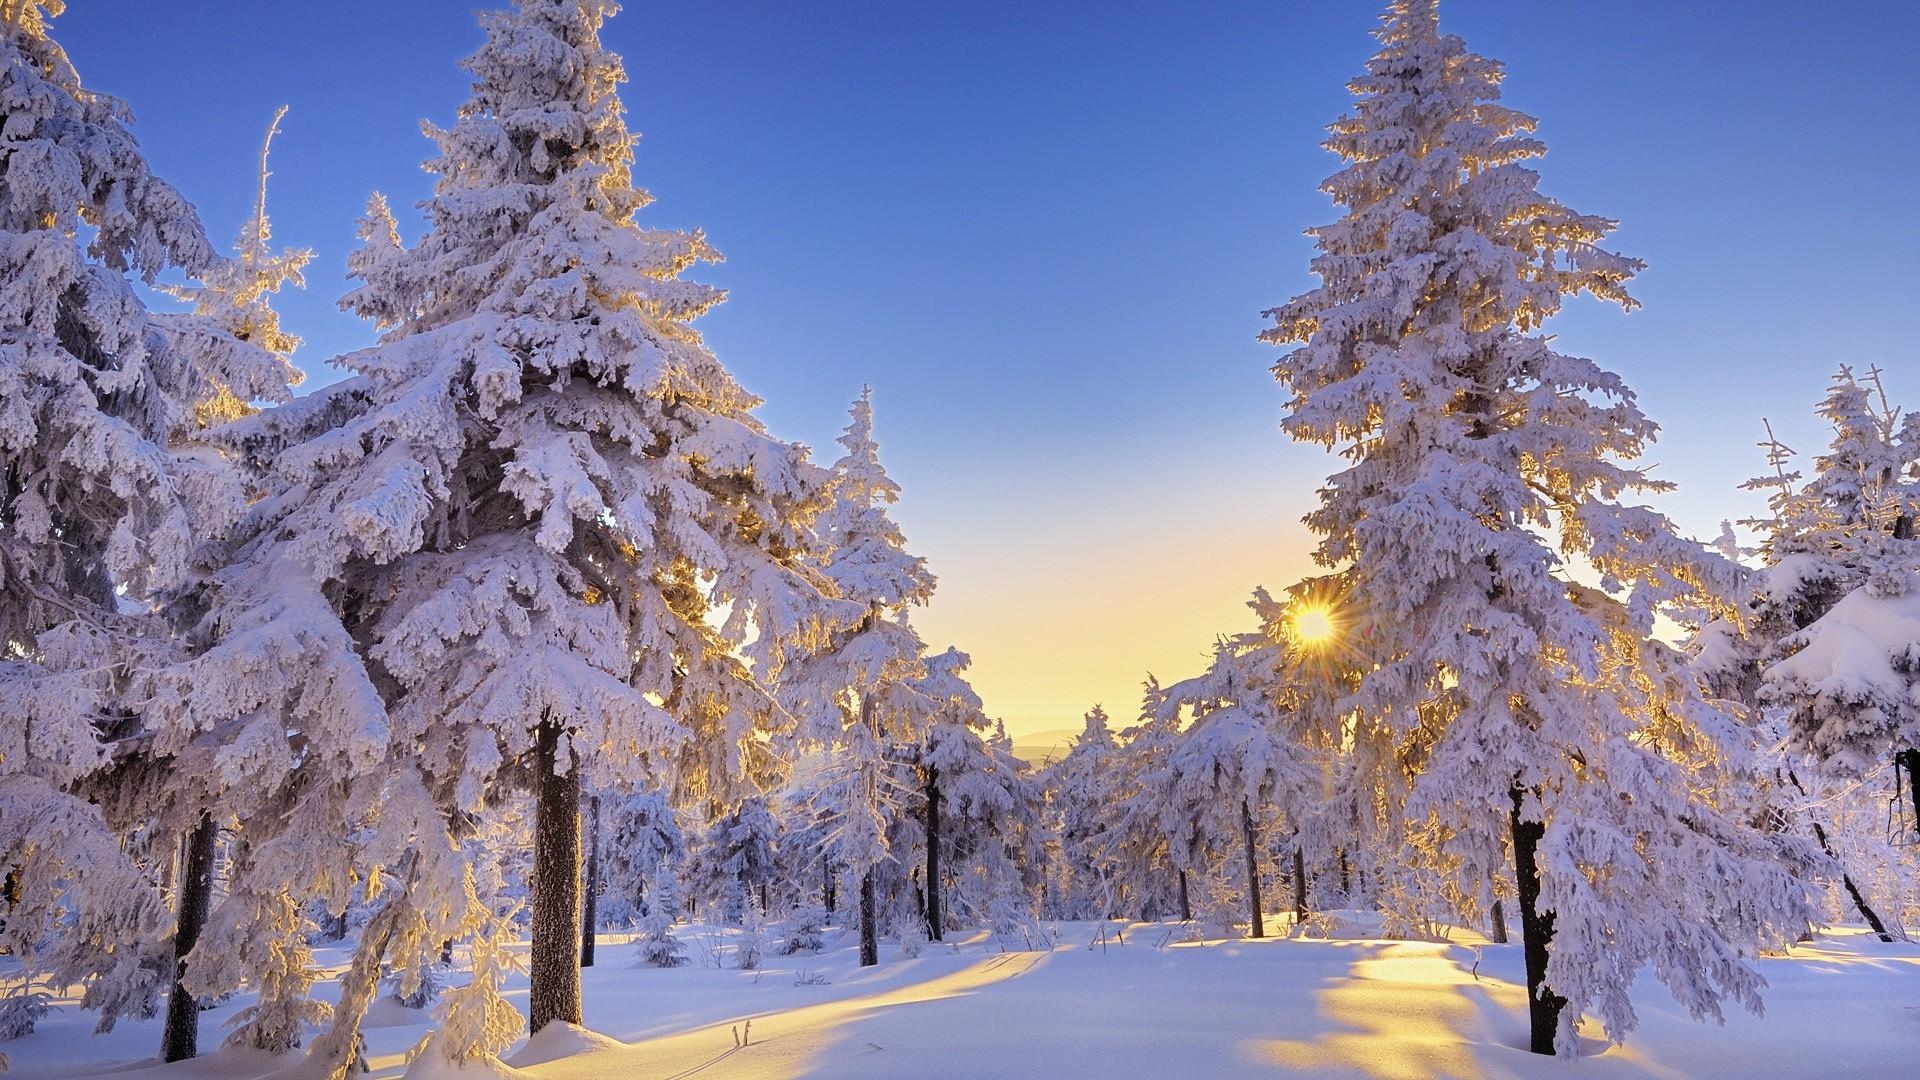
869	560
1095	733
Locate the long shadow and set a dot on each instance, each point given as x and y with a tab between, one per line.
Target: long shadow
782	1042
1404	1009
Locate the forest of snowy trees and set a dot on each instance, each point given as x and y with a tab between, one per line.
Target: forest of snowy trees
528	629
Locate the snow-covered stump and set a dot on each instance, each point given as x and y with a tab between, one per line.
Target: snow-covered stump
554	964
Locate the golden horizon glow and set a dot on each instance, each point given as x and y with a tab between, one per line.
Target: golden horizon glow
1058	617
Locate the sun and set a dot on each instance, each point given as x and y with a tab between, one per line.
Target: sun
1313	625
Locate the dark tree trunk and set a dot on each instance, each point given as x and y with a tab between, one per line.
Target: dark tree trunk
1299	887
1910	761
1498	928
1536	929
826	885
337	925
763	898
869	934
1903	530
181	1039
1859	899
1186	907
935	923
554	966
1258	928
1346	879
590	898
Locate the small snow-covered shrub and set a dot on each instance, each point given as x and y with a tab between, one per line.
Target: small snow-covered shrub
658	945
475	1021
1323	925
804	930
913	936
1217	907
418	985
1010	916
750	946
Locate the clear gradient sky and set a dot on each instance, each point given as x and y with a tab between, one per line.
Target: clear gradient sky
1045	234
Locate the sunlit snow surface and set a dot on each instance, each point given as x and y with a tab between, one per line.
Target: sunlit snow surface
1150	1005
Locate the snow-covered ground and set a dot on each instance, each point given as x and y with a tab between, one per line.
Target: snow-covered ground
1143	1004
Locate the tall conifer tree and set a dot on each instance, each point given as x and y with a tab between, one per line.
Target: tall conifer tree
1541	717
105	490
856	694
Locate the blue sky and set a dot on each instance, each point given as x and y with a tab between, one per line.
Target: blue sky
1045	234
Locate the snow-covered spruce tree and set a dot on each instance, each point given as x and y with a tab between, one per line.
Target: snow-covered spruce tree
807	820
1822	542
952	754
854	695
1078	788
1870	475
1146	881
643	838
269	723
1529	710
659	947
102	496
1235	766
981	809
554	481
735	864
751	943
997	838
804	930
1842	648
234	296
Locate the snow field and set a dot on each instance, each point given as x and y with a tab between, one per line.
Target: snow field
1145	1004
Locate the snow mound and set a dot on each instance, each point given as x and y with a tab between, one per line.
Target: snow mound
558	1040
435	1066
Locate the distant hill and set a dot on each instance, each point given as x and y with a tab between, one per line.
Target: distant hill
1037	747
